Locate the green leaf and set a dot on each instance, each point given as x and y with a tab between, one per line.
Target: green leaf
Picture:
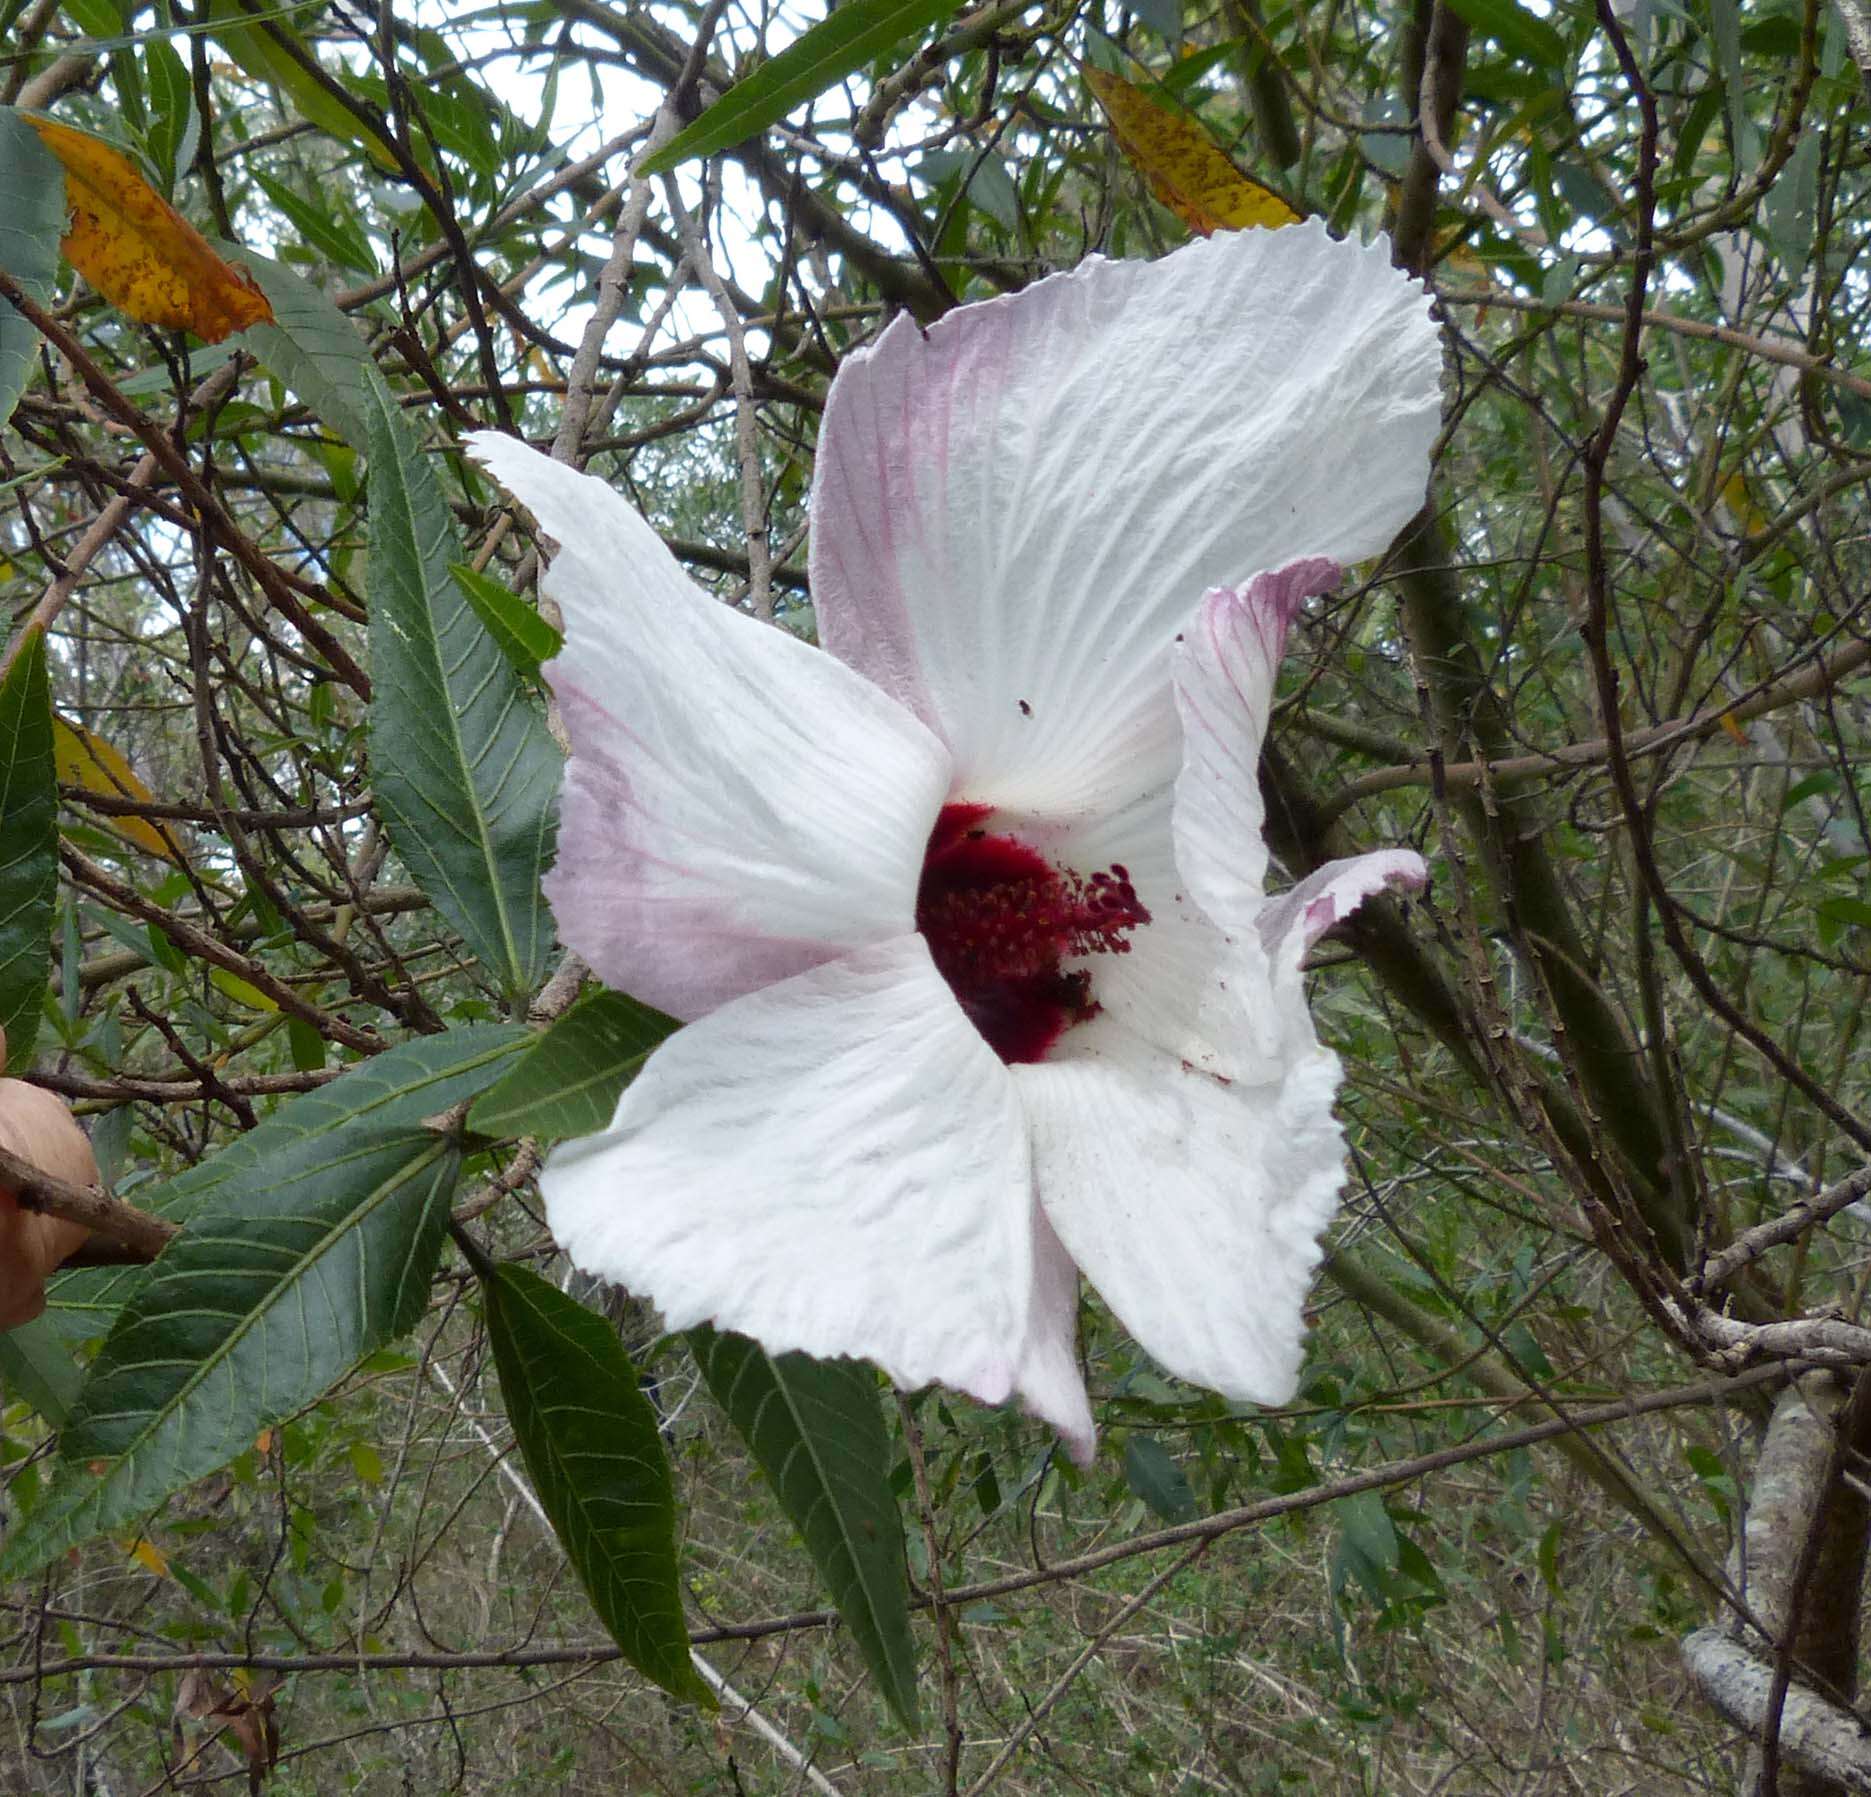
569	1084
313	348
249	1314
817	1430
465	773
32	220
525	638
1367	1545
256	49
36	1364
392	1091
333	237
174	132
823	56
1157	1479
592	1449
1516	30
28	847
1854	911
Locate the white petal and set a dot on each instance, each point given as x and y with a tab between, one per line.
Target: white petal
739	806
1016	509
1192	1204
1225	666
1291	923
835	1164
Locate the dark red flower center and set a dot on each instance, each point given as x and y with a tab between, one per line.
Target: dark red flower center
1001	920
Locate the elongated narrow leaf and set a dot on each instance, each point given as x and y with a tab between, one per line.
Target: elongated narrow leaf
525	638
1186	169
816	1428
570	1083
383	1098
28	847
137	250
250	1314
593	1451
465	773
257	50
32	219
1517	31
825	55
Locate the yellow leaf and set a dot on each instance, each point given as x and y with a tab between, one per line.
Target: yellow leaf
1737	730
240	991
1185	168
85	759
1741	504
149	1556
137	250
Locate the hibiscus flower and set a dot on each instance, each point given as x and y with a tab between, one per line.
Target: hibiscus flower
965	910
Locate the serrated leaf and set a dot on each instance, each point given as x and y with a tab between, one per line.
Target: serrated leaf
314	349
393	1091
28	847
137	250
812	63
1157	1479
83	758
249	1314
32	220
1186	169
465	773
595	1455
1518	32
525	638
816	1428
569	1084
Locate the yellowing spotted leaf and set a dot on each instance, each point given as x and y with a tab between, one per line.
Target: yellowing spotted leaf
1186	170
1740	503
137	250
85	759
150	1557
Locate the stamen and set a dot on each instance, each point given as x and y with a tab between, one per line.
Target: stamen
1000	920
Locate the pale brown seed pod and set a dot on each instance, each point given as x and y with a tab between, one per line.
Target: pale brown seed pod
36	1126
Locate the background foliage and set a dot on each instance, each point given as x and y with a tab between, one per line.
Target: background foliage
1607	1083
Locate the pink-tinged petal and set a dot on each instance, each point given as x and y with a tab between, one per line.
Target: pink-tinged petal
1292	922
835	1164
1225	666
1016	509
1193	1204
739	806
